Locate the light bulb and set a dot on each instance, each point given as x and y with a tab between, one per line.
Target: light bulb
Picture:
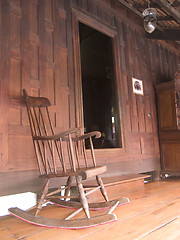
149	27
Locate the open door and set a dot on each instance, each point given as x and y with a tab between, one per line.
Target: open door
97	80
100	108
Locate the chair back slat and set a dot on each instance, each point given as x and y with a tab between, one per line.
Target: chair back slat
92	152
76	147
61	156
36	121
50	123
84	152
72	156
41	164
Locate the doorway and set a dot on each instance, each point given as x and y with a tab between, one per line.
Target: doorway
100	104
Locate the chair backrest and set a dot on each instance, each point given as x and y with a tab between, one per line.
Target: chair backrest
37	108
54	154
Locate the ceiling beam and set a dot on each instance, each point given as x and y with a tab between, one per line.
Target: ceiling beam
130	7
169	9
165	35
145	5
166	18
176	3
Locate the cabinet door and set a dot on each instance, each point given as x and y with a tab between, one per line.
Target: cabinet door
167	110
170	152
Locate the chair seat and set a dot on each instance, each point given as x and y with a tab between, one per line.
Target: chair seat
85	173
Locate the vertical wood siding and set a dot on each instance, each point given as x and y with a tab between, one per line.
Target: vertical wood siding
37	54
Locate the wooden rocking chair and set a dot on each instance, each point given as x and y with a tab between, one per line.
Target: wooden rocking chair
65	155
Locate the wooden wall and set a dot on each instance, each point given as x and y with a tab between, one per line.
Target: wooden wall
38	52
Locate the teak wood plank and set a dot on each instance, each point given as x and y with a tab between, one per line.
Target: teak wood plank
109	181
145	222
136	208
33	36
170	230
143	217
6	235
150	208
19	229
142	203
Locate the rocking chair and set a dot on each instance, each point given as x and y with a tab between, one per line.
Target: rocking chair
65	155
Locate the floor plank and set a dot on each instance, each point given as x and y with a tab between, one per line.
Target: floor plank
153	213
171	230
137	226
4	234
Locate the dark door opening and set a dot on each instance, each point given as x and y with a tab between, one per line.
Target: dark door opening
100	106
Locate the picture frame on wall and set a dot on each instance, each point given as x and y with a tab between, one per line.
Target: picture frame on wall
137	86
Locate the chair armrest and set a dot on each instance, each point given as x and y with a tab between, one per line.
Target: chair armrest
89	173
97	134
59	135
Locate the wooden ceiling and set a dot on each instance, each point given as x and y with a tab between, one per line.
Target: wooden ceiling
168	16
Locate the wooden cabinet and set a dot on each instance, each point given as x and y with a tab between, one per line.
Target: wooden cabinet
168	101
168	97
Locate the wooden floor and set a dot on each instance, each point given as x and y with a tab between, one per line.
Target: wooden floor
153	213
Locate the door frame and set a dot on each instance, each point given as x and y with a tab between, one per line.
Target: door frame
91	21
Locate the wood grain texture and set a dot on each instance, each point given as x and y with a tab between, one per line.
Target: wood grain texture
168	115
152	214
64	224
39	52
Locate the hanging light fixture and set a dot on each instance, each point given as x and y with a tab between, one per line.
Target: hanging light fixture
149	18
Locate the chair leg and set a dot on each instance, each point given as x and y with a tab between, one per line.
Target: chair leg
103	190
43	195
68	185
83	198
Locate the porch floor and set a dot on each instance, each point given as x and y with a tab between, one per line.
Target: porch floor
153	213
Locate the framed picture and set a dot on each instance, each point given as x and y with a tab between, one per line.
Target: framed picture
137	86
